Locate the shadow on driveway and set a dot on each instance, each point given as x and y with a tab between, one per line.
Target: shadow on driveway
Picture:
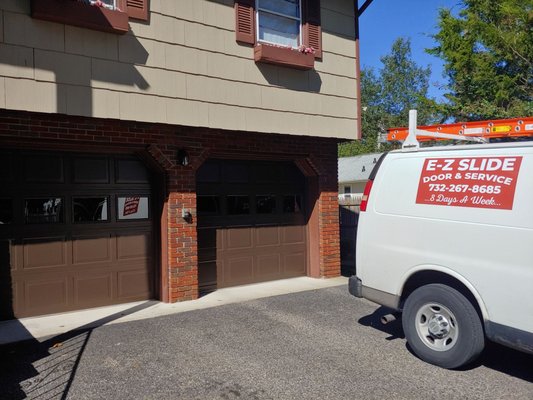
45	370
393	328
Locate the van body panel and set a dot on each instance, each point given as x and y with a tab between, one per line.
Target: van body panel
515	338
486	246
377	296
449	272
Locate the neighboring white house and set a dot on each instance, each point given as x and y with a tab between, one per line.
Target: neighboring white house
353	174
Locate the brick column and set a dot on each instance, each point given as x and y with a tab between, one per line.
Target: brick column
328	206
330	262
182	248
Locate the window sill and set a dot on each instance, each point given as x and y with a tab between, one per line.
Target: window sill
80	14
283	56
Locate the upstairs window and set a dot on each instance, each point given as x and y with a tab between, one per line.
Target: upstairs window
282	31
279	22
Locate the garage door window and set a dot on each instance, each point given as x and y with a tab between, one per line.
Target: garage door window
292	204
238	205
208	205
6	211
266	204
132	207
89	209
43	210
90	170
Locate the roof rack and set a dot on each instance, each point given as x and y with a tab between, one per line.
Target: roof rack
477	131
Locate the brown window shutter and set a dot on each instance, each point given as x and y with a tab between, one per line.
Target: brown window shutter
245	21
312	29
137	9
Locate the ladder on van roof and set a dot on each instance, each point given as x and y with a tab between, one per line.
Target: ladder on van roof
478	131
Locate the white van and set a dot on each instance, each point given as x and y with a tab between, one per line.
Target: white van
445	236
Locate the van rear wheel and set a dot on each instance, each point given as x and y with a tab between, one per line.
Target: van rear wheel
442	326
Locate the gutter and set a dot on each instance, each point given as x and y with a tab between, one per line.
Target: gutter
357	13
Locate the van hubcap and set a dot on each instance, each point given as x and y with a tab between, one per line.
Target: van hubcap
437	327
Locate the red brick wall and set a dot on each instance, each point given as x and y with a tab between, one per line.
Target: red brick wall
313	155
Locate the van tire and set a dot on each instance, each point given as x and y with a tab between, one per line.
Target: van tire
442	326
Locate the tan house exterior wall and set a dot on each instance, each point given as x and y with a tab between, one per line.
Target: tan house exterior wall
175	92
182	67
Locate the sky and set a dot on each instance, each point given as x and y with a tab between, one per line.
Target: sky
386	20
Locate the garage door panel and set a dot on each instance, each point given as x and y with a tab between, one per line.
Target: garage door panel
133	246
293	234
16	255
237	270
86	249
220	275
268	266
134	284
221	238
294	264
93	289
267	236
40	253
238	238
132	265
42	295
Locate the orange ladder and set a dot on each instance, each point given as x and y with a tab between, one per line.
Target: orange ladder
496	128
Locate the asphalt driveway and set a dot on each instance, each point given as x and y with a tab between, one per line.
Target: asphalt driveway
320	344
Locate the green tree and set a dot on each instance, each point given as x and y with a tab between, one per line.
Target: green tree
387	97
488	54
405	87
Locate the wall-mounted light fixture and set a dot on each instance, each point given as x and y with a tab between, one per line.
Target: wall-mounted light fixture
183	157
186	215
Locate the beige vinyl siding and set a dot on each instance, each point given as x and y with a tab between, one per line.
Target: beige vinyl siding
337	21
16	61
183	67
20	29
52	66
340	6
89	43
31	95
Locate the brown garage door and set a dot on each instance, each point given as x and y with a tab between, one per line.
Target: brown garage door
76	232
251	222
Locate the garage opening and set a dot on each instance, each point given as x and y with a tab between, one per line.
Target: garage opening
76	231
251	222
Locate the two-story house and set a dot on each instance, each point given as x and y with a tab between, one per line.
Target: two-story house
158	149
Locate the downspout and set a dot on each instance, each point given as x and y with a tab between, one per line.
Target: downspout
357	13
